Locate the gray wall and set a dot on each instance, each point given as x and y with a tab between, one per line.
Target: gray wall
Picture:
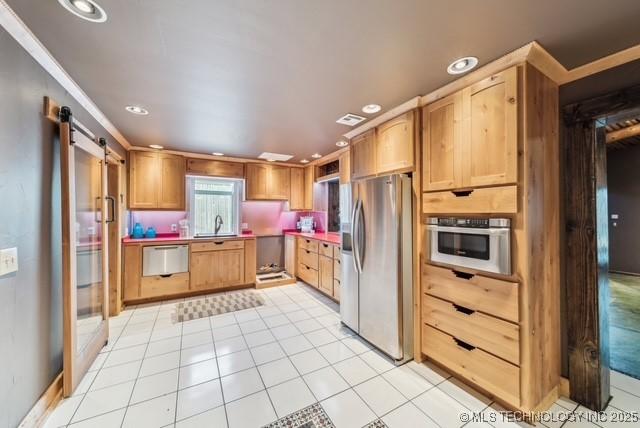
31	299
623	172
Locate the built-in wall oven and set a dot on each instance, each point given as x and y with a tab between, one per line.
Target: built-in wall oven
476	243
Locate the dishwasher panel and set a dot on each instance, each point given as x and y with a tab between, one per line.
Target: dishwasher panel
165	260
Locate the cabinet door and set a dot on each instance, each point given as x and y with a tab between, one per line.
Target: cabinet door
394	144
215	168
442	144
363	155
230	265
143	180
204	270
345	167
296	200
490	110
279	182
257	181
290	254
309	181
172	182
325	269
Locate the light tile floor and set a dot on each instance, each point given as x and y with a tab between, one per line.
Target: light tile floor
248	368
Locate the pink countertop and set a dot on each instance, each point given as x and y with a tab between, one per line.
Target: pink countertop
173	237
331	237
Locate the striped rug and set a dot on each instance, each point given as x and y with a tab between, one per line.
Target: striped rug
217	304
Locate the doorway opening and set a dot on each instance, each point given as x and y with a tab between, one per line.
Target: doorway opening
623	183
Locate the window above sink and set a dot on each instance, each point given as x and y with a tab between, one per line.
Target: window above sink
210	198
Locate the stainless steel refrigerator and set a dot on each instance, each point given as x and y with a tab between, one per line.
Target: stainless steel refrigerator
377	262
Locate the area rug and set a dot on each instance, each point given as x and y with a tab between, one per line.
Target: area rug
216	305
313	416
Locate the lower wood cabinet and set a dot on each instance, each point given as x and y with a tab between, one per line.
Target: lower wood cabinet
213	265
318	264
326	275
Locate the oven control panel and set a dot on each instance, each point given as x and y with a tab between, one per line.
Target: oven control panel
476	223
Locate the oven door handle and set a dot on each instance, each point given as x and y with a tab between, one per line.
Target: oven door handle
469	230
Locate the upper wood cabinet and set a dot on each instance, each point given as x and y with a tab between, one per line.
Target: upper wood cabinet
345	167
363	155
280	182
215	168
156	181
309	180
296	200
490	109
172	182
442	146
267	182
394	144
471	137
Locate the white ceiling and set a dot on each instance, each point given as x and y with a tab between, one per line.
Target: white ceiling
246	76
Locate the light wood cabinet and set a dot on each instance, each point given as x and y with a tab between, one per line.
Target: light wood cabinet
279	182
217	266
296	200
345	167
267	182
395	144
490	109
309	180
471	137
363	155
172	182
156	181
143	180
257	181
325	273
215	168
442	144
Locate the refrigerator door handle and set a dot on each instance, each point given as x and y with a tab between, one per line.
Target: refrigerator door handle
354	238
361	236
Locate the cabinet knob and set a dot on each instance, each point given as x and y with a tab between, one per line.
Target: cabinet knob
512	100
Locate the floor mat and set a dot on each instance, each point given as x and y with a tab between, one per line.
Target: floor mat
216	305
313	416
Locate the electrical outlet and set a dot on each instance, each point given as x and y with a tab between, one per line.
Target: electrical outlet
174	227
8	261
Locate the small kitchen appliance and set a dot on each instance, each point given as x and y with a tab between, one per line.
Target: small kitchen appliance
307	224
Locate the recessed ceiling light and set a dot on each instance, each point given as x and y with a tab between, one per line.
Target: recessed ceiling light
217	154
462	65
371	108
271	160
85	9
304	161
156	146
316	155
342	143
137	110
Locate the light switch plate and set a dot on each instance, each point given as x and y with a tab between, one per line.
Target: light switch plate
8	261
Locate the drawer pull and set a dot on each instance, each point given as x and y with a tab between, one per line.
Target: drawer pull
168	275
308	252
219	242
464	345
325	245
462	309
462	193
307	241
462	275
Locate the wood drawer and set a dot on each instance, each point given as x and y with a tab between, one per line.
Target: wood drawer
336	252
337	269
490	200
217	245
488	295
326	249
494	375
336	289
156	286
308	258
308	244
497	337
307	274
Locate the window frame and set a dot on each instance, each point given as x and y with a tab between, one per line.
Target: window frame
237	195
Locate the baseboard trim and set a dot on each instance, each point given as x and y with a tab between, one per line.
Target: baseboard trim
44	406
564	388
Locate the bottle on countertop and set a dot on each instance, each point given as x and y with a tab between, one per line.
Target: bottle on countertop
138	231
151	232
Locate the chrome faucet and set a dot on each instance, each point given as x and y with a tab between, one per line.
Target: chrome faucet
218	223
